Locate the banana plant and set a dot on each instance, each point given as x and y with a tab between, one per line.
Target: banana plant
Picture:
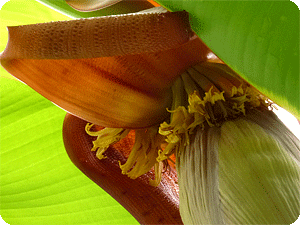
257	49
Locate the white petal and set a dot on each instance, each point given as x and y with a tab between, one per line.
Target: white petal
246	172
198	179
259	180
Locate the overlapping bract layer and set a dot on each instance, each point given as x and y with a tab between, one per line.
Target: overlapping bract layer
245	172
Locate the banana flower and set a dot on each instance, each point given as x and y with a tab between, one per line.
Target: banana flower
143	85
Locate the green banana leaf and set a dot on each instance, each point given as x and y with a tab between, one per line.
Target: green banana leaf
257	39
40	185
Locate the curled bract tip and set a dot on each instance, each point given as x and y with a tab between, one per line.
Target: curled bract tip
90	5
114	71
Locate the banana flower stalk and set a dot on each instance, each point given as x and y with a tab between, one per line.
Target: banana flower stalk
145	85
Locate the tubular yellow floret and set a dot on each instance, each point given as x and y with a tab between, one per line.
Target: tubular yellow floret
212	110
143	154
105	138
